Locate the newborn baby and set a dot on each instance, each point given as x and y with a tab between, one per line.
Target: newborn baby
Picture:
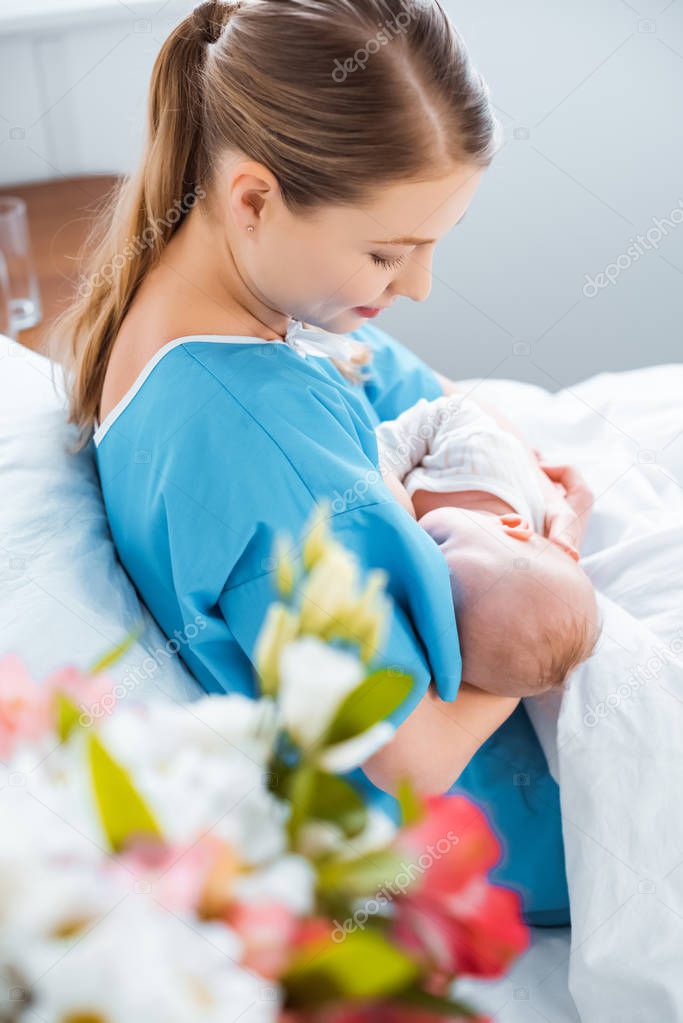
525	609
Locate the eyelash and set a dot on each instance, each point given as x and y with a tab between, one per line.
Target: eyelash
389	264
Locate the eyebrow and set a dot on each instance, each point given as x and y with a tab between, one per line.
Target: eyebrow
409	240
404	241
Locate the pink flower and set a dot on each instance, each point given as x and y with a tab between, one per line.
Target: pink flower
25	713
273	935
92	694
453	917
268	931
177	875
375	1013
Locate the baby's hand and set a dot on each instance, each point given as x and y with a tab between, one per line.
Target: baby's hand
568	508
514	525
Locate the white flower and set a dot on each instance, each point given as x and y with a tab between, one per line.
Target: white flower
227	725
378	833
142	963
197	793
321	838
199	774
52	897
344	756
315	680
289	881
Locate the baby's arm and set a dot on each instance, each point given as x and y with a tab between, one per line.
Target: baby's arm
424	501
452	441
561	508
402	444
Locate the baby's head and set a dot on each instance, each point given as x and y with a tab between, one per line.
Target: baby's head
526	611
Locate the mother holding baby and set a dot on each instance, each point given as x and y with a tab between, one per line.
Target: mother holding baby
233	380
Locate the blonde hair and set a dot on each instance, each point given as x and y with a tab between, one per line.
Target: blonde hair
301	86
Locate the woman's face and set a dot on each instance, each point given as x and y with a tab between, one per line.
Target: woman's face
333	267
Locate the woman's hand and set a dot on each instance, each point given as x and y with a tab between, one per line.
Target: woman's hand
568	506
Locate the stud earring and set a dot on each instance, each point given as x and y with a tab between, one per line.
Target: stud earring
251	229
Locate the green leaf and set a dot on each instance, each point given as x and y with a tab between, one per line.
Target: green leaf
363	966
336	801
68	716
371	702
118	651
366	876
301	793
123	812
412	807
317	795
447	1008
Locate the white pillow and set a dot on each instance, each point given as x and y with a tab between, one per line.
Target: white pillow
64	596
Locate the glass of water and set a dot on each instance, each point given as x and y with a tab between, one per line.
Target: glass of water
6	327
15	246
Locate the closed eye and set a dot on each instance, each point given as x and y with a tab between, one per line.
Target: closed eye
389	264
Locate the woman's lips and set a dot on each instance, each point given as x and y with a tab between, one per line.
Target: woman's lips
367	311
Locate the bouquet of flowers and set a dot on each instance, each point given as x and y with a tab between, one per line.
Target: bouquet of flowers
208	861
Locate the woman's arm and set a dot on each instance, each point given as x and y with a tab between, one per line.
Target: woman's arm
435	744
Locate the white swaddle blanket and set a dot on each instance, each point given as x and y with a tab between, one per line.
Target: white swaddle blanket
451	445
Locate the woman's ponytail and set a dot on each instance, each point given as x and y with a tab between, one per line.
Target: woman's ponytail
337	98
145	212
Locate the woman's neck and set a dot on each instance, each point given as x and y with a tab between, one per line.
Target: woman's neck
201	255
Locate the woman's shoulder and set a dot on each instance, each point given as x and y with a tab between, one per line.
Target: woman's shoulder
165	309
256	412
399	377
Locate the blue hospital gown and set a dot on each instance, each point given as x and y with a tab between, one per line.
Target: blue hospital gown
224	443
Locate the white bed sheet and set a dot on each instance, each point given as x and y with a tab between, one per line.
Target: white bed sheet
535	989
614	738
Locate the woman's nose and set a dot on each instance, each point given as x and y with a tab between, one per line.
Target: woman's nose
415	279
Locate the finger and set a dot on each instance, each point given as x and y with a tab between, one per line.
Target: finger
518	532
568	548
570	478
557	473
517	527
578	494
566	530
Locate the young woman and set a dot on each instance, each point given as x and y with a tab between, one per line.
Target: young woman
304	158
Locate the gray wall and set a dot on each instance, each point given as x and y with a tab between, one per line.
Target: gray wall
591	96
